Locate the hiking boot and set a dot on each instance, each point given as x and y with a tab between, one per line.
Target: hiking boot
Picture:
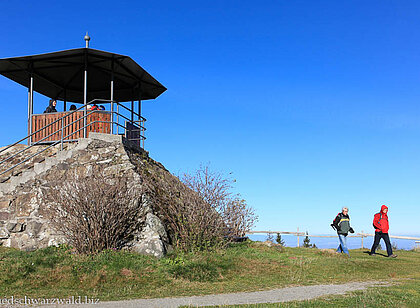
392	256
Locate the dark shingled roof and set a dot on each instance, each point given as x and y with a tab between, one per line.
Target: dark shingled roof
60	75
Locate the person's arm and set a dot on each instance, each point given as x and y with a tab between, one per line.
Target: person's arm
351	230
336	222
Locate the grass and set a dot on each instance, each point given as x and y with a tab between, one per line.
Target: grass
405	294
249	266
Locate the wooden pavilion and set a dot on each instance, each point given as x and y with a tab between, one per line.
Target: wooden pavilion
87	77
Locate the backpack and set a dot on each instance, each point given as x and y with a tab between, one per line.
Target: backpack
379	221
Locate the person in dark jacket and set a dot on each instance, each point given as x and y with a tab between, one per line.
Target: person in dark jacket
51	106
381	224
341	223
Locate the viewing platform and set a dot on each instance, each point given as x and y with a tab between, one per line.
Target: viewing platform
86	78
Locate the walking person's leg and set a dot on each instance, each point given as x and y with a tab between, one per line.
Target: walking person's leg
375	243
344	246
385	236
343	243
339	249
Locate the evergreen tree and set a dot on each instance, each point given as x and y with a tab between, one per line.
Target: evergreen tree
279	240
307	241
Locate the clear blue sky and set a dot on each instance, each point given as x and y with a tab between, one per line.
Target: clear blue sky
313	105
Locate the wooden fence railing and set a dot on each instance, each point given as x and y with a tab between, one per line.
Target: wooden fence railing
359	235
101	124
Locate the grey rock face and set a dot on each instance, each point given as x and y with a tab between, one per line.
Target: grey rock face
23	223
152	239
4	234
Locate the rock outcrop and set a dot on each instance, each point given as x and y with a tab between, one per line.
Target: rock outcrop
23	220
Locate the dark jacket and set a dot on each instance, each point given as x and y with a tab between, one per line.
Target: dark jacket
342	224
50	108
380	221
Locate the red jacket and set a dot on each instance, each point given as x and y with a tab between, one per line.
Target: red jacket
380	221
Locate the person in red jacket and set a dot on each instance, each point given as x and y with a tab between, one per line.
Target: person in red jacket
381	224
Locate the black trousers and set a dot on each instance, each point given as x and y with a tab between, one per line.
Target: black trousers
385	237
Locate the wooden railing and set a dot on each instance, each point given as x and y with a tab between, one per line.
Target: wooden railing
98	121
361	235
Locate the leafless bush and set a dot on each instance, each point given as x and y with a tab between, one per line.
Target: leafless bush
216	190
238	216
95	212
201	212
191	222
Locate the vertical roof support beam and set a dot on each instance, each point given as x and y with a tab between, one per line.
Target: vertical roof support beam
132	112
141	124
30	102
65	100
87	39
85	99
112	96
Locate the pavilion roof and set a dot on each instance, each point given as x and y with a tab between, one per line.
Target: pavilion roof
60	75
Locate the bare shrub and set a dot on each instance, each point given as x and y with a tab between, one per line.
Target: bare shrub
216	190
201	212
95	212
191	222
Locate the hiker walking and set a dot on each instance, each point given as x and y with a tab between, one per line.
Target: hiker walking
381	225
341	223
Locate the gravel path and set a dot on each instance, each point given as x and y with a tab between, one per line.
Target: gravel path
271	296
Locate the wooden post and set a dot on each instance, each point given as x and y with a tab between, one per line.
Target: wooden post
298	237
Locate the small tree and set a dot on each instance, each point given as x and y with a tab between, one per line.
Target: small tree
95	212
279	240
270	237
307	242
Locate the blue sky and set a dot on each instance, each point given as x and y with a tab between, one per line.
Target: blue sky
313	105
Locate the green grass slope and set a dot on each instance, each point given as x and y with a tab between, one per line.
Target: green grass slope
250	266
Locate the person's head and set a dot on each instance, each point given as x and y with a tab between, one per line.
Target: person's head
53	102
384	209
345	210
73	107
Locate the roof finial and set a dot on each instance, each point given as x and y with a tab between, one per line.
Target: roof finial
87	39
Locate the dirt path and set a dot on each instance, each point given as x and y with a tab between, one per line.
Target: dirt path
272	296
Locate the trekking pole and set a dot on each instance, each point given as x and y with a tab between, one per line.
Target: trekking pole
362	239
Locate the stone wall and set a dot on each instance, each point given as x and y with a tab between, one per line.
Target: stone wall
23	221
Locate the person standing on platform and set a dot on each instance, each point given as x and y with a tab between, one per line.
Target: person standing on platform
51	106
341	223
381	225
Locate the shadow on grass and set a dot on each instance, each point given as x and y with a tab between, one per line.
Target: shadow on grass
376	253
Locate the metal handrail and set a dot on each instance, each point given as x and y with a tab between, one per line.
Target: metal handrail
135	113
141	129
39	141
66	115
